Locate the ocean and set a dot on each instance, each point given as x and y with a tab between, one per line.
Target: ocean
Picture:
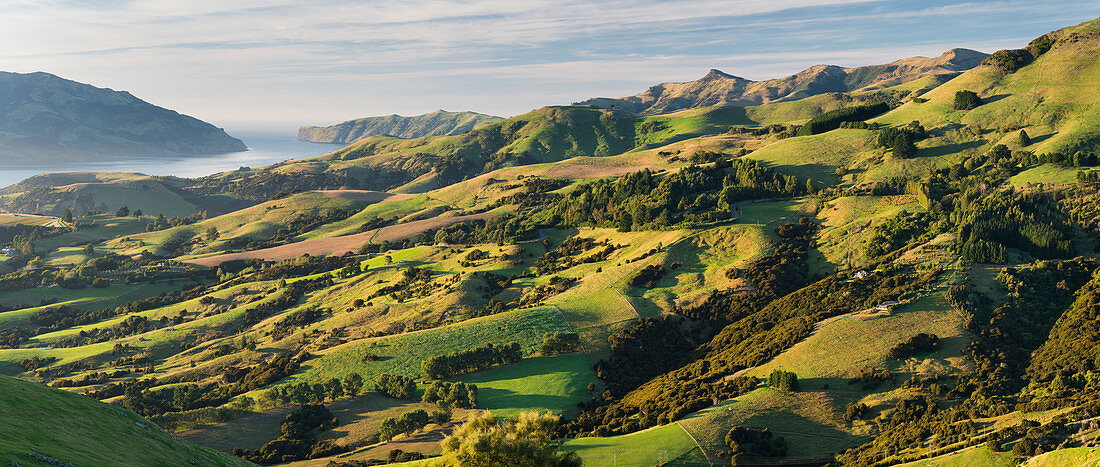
263	149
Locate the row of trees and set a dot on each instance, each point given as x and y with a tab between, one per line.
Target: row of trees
469	361
411	422
448	395
833	119
316	393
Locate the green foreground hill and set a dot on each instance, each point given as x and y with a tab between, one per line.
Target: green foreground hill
41	424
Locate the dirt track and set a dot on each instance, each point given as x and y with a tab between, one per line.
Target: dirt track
340	245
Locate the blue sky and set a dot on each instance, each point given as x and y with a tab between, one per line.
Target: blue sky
276	64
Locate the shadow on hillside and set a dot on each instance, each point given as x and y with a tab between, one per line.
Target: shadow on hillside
948	149
509	399
993	98
10	369
1040	138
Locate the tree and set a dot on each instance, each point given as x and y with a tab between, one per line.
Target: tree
334	388
211	233
486	440
138	213
783	380
966	100
123	212
1024	139
395	386
353	384
68	216
89	250
560	342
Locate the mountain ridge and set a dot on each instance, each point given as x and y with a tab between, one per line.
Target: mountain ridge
720	88
438	123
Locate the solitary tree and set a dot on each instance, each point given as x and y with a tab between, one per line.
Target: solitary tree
966	100
123	212
68	216
1024	139
486	440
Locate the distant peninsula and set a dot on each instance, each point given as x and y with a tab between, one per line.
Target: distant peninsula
44	117
436	123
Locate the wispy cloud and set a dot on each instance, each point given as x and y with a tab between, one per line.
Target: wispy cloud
325	60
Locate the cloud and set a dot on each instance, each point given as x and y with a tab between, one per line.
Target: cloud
299	61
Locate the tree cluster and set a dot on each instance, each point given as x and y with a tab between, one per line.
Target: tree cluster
833	119
395	386
456	395
469	361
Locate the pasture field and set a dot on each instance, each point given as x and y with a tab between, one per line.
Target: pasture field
654	446
359	417
811	422
7	220
977	455
850	343
1047	174
401	354
848	224
1072	456
88	298
103	227
767	213
538	384
817	156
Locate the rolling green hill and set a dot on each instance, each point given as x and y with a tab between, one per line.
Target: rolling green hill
1049	96
435	123
45	426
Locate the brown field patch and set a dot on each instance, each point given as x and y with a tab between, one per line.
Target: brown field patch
595	171
340	245
364	195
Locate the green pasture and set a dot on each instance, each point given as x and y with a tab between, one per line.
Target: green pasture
655	446
537	384
402	353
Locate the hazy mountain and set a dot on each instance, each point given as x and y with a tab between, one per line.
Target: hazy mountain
718	88
436	123
45	116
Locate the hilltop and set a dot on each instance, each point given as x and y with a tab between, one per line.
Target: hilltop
46	117
435	123
718	88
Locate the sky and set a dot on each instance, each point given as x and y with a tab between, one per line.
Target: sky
275	64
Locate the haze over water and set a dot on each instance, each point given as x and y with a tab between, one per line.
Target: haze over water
263	149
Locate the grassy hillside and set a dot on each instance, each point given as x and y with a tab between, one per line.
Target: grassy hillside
430	124
69	428
1051	98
